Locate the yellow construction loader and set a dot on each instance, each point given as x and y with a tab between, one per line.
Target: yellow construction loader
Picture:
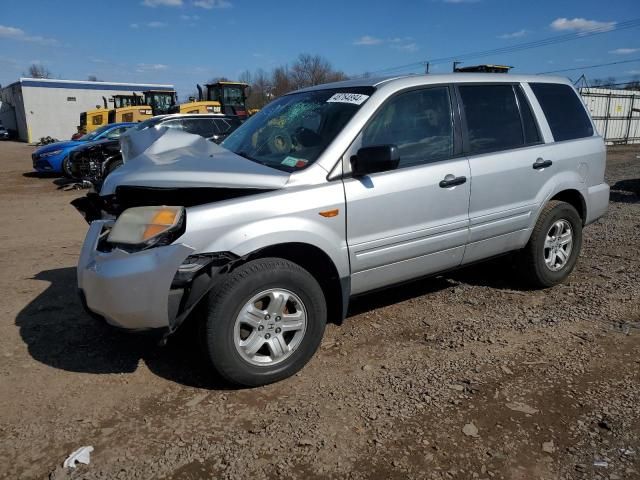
228	98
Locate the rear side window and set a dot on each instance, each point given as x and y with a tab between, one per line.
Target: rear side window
565	112
492	117
529	126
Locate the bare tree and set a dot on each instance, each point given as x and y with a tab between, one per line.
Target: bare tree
39	71
310	70
281	81
245	77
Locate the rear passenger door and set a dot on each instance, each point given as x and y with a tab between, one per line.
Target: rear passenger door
506	156
407	222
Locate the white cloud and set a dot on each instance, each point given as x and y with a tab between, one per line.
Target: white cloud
190	17
14	33
404	44
581	25
407	47
368	40
209	4
624	51
162	3
461	1
518	34
634	72
134	25
156	24
151	67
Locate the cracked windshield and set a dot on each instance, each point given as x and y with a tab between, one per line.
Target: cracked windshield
293	131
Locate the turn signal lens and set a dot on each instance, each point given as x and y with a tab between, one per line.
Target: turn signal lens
145	225
163	219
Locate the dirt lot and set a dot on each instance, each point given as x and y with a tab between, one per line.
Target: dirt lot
467	375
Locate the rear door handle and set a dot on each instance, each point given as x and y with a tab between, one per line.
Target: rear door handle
540	163
451	181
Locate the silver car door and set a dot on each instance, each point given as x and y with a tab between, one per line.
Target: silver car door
412	221
506	154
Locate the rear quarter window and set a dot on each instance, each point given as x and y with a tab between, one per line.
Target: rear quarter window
564	110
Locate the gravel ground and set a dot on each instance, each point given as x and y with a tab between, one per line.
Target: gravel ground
466	375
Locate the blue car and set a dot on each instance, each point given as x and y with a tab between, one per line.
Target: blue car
54	157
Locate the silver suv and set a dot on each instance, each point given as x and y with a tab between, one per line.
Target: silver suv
334	191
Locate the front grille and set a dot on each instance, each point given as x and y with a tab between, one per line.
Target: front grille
41	164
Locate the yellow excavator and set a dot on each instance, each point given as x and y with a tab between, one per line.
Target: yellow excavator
228	98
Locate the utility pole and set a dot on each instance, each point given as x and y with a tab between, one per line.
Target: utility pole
455	66
426	67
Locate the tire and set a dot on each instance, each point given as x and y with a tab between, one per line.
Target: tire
540	266
66	167
111	167
222	333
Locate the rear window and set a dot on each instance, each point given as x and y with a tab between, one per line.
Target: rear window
564	110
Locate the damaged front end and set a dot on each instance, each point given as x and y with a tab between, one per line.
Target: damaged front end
134	270
144	289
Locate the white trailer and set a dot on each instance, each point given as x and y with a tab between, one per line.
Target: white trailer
616	113
37	107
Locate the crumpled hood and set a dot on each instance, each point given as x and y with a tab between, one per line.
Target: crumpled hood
171	158
52	147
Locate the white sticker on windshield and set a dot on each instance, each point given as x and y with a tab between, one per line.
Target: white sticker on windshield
355	98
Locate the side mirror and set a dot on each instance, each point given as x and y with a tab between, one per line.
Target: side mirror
378	158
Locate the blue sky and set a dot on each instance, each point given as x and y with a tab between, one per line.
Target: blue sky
184	42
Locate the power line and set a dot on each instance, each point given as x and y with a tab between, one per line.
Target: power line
591	66
634	23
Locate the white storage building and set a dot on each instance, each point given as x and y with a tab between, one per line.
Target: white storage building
37	107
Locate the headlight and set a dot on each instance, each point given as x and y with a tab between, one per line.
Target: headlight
148	226
145	111
51	154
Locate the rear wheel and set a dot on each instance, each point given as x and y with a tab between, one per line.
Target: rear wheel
263	323
554	246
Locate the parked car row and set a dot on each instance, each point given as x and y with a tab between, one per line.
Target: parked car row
331	192
95	155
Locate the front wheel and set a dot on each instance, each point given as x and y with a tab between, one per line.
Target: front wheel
66	167
554	246
263	323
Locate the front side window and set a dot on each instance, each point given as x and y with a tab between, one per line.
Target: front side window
492	117
200	126
116	132
96	133
564	110
418	122
291	132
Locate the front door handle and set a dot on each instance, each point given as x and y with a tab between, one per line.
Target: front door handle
540	163
451	181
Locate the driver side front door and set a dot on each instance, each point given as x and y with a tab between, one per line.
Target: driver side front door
409	222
